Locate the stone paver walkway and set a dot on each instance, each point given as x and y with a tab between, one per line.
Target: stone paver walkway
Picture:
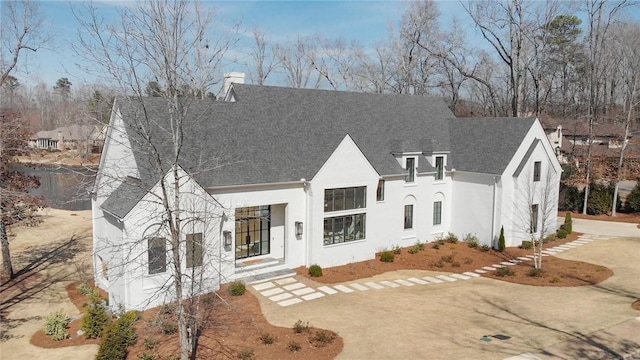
289	291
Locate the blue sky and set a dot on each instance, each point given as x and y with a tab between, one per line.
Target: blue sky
364	21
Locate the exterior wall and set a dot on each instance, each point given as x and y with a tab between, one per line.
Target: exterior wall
116	162
347	167
473	206
520	192
134	287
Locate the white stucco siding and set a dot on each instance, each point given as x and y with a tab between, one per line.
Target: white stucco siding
473	211
520	191
199	214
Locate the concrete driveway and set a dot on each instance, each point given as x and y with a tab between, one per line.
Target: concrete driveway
447	321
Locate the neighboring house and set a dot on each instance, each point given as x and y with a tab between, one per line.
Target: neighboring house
277	178
69	137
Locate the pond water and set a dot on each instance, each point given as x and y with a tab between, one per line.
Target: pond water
64	188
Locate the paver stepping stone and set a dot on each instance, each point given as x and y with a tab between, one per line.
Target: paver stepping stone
315	295
530	256
373	285
525	356
303	291
404	282
460	276
548	252
343	288
488	268
280	297
581	241
327	290
286	281
289	302
294	286
446	278
524	258
480	271
472	274
497	266
558	249
272	292
389	284
359	287
264	286
507	263
432	279
417	281
515	261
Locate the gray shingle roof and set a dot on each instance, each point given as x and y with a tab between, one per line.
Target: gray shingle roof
273	134
486	145
124	198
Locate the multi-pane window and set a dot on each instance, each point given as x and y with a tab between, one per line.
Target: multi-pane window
536	170
157	253
253	226
380	191
345	198
437	212
339	229
194	250
408	216
439	167
534	218
411	170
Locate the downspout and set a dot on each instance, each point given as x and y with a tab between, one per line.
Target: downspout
306	186
493	210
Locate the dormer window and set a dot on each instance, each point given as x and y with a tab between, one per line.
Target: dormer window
439	167
411	170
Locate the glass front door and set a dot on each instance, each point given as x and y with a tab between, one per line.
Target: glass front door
253	231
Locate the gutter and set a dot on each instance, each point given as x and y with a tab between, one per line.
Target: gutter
261	185
493	210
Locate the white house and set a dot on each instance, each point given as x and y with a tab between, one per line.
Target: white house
276	178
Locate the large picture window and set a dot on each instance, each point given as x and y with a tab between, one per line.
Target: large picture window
345	198
194	250
157	253
339	229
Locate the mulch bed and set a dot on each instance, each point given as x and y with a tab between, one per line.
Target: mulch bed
231	325
459	257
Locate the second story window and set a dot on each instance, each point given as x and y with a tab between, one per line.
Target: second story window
536	170
439	167
380	191
411	170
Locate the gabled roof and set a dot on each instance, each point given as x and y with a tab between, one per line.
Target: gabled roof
72	132
273	134
124	198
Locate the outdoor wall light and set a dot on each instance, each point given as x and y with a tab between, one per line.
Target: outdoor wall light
298	228
227	237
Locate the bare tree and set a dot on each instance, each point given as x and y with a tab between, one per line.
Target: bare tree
174	43
300	63
538	189
263	58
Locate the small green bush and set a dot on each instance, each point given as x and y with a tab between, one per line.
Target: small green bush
315	270
237	288
436	245
322	338
562	234
301	327
554	280
150	343
146	356
84	289
455	264
505	271
387	256
420	245
169	327
118	336
396	249
447	258
294	346
568	223
56	325
632	202
486	247
527	245
501	240
471	240
246	354
452	238
439	264
468	261
95	319
535	272
413	250
267	339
